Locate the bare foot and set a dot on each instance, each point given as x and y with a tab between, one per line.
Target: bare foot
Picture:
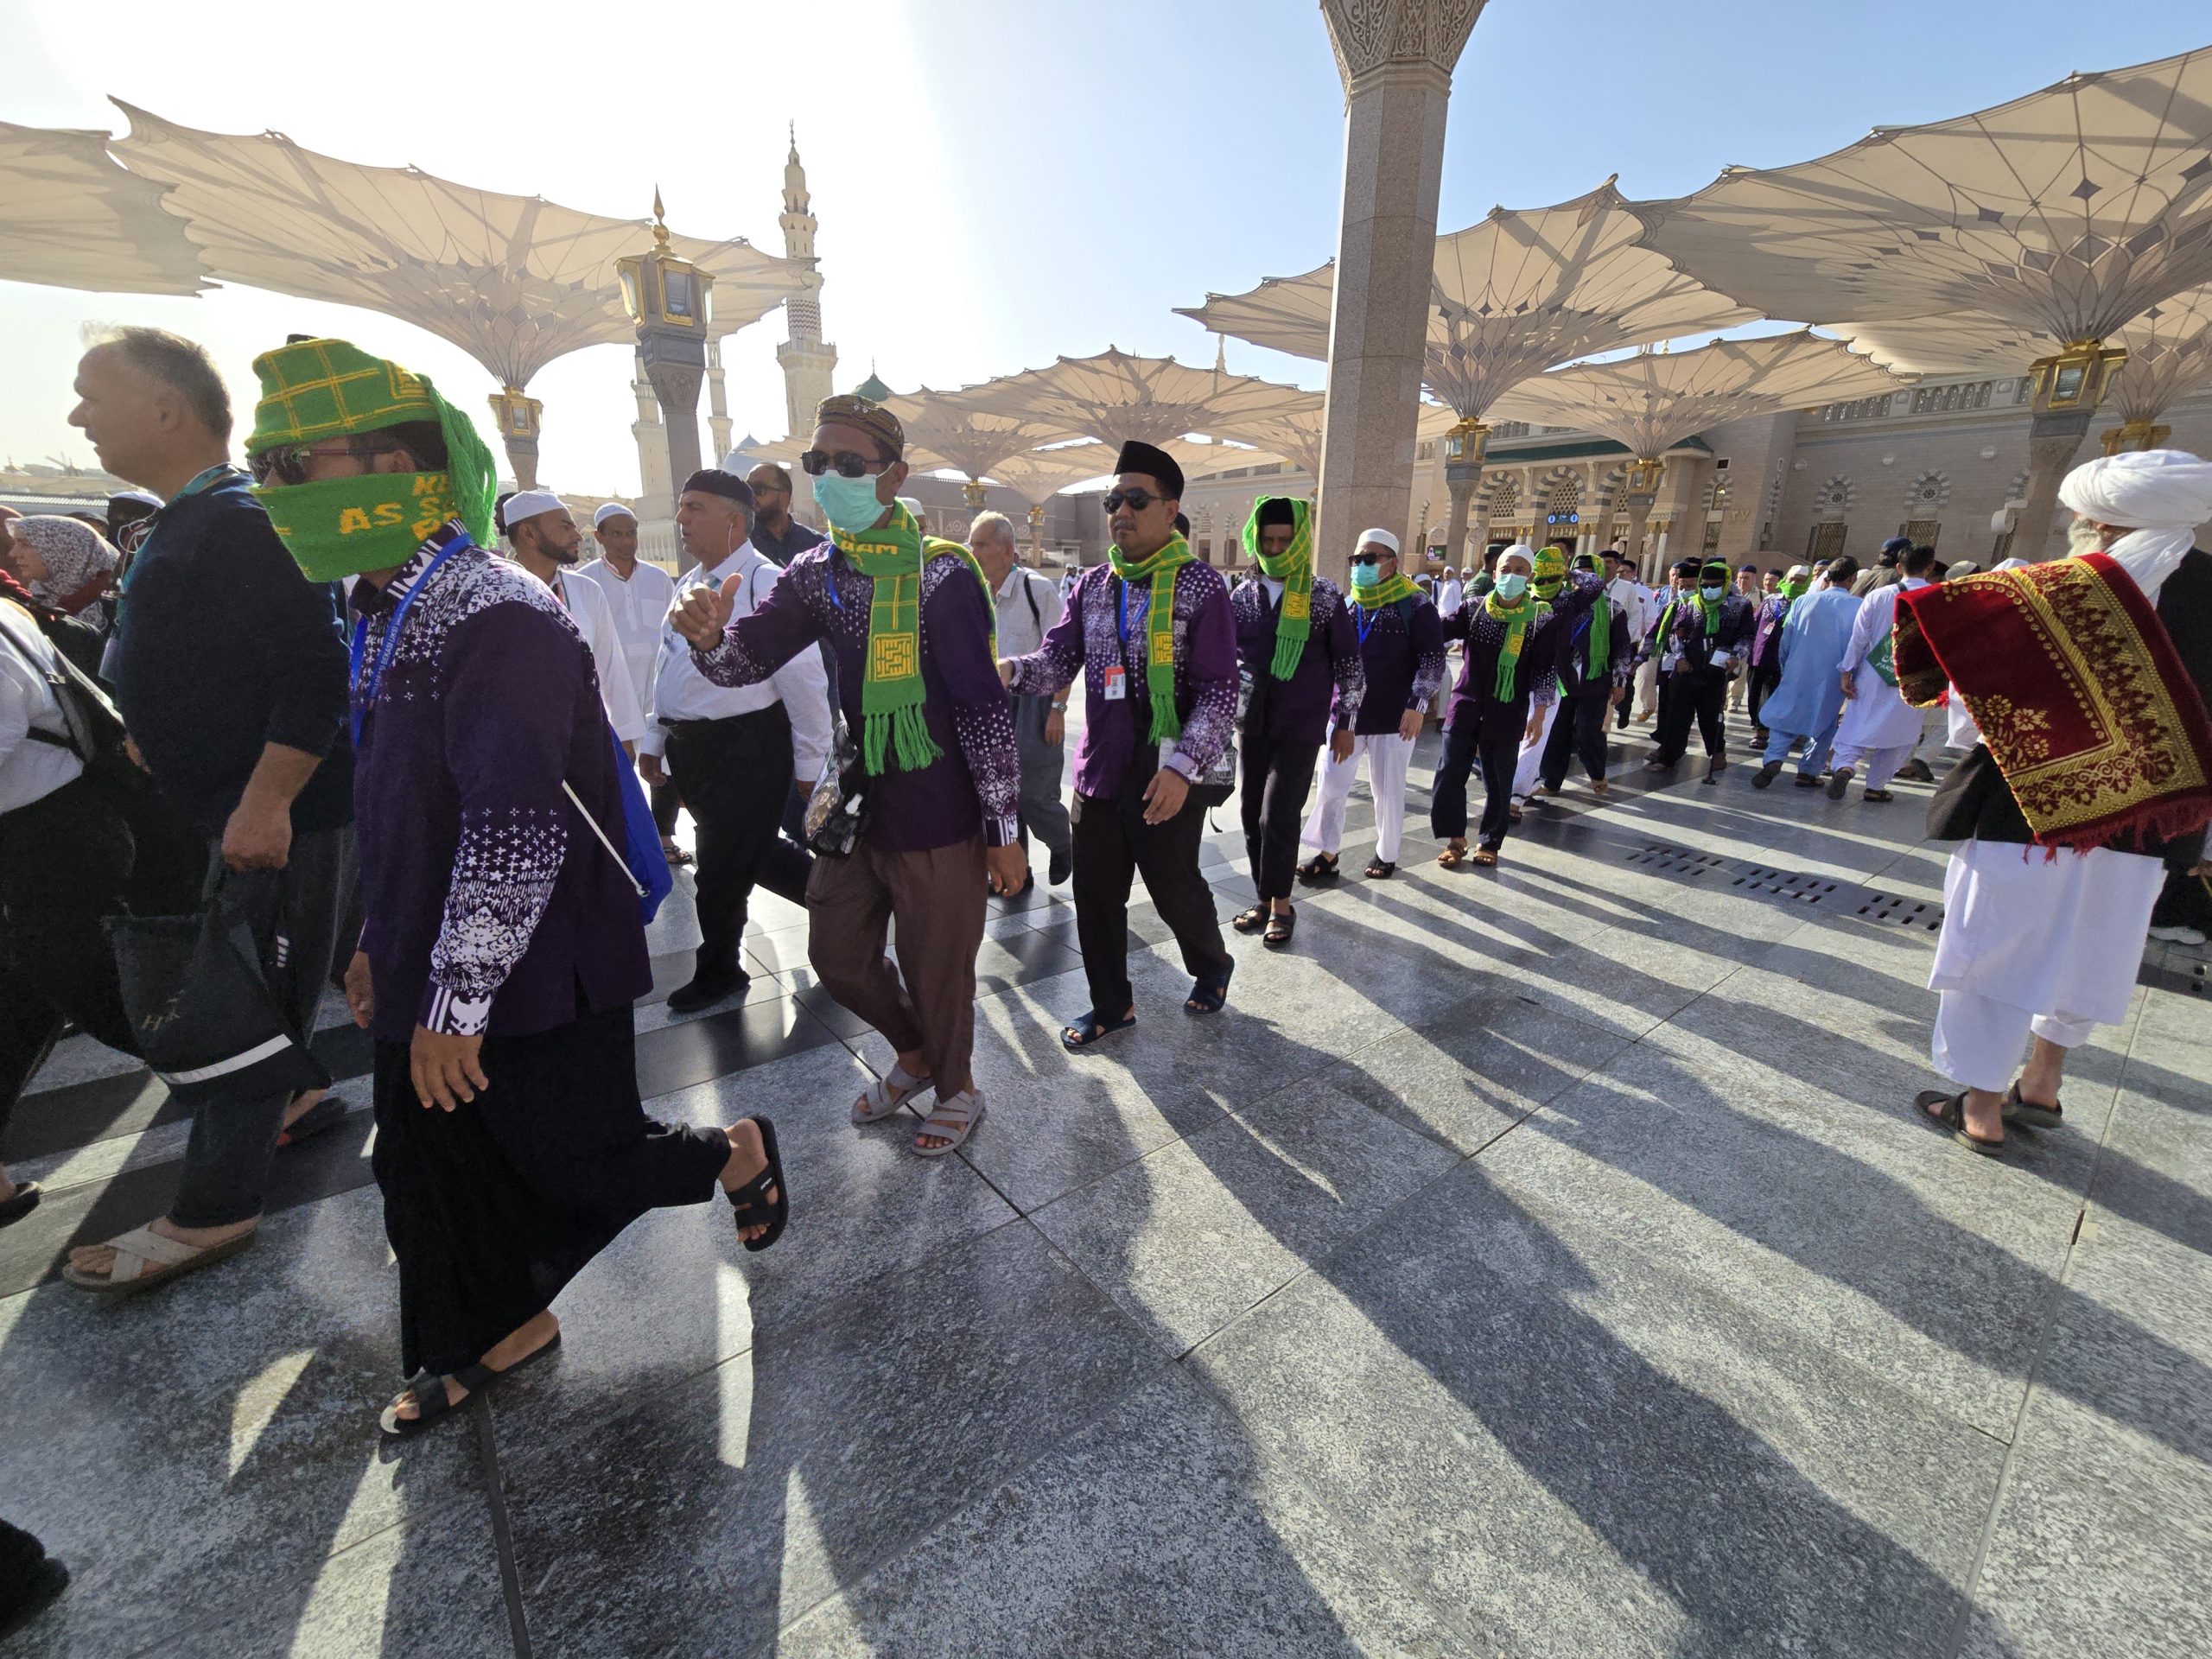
525	1340
98	1260
747	1157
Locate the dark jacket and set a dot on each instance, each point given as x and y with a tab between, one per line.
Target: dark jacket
1975	803
222	647
1324	692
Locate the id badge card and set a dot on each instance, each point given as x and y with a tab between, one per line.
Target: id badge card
1117	683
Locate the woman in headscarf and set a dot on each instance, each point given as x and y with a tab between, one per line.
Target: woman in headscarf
68	565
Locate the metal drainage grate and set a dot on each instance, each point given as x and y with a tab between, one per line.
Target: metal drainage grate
1663	860
2195	980
1784	884
1906	912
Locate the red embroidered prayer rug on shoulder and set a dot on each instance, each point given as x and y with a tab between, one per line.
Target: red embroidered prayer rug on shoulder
2078	691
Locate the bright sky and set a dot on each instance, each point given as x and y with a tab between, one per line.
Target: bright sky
998	181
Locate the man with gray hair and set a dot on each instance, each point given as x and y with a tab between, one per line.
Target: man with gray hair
1029	604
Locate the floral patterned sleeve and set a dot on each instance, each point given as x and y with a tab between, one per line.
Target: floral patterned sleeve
508	756
1429	666
957	632
1349	672
1208	669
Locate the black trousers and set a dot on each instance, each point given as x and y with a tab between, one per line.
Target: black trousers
1702	698
735	775
1763	680
1276	779
68	861
1579	728
1499	750
1112	844
666	805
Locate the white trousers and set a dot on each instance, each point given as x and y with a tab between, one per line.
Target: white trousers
1980	1042
1881	765
1387	755
1532	755
1647	687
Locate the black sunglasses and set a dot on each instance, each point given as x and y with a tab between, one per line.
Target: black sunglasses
1371	558
1137	500
288	464
815	462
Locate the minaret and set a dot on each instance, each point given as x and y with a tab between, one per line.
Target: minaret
807	358
654	482
718	421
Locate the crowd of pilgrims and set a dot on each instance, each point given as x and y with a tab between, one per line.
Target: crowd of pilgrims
398	731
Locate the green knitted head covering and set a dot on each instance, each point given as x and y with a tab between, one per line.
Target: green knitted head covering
1551	572
313	389
1293	568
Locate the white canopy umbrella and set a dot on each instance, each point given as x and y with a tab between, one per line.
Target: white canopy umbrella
2068	212
69	217
1114	397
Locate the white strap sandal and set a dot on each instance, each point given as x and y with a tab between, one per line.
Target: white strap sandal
955	1117
144	1259
887	1095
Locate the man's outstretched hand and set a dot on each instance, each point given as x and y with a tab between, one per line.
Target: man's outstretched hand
704	613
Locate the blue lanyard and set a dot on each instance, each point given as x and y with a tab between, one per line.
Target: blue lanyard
366	699
1364	620
1121	596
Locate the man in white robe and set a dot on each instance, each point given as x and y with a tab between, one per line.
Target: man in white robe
548	544
1879	728
2048	948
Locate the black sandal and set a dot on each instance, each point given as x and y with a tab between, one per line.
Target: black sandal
428	1390
1251	920
1322	866
1380	869
21	1203
1088	1029
753	1195
1280	925
2019	1110
1210	994
1953	1116
326	1113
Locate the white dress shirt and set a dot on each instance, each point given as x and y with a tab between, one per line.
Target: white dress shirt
682	692
1019	633
1450	597
639	604
618	691
29	770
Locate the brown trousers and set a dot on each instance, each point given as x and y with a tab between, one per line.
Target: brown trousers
938	899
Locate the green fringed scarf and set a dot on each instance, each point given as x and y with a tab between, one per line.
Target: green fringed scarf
1381	596
1294	569
1711	609
1601	637
891	724
1516	619
1159	572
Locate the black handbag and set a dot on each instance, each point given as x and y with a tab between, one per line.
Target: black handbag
202	999
837	813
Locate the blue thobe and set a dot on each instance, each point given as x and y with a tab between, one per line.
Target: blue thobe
1810	701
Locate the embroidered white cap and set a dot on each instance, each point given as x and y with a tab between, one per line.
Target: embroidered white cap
528	504
1383	537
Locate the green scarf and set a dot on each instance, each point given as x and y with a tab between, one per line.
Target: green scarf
1711	609
891	724
317	389
1881	659
1381	596
1797	590
1159	572
1294	569
1601	637
1516	619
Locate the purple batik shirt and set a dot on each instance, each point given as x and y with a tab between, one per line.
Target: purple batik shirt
1401	656
1325	688
975	781
1535	672
492	907
1093	633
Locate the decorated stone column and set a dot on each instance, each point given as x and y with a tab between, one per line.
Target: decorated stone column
1464	446
1395	59
1037	535
516	418
2067	390
669	299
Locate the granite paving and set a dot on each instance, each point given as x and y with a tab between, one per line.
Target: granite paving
1548	1261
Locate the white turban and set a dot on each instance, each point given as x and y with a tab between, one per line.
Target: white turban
611	510
528	504
1381	537
2161	495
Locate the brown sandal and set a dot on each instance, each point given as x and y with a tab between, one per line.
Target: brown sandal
1486	856
1454	855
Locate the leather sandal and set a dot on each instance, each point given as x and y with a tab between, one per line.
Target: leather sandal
428	1389
751	1202
952	1122
1454	855
2019	1110
1948	1112
887	1095
1250	920
1380	869
1280	925
1322	866
1088	1029
1210	994
1486	857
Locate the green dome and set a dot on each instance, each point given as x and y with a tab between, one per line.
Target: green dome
872	389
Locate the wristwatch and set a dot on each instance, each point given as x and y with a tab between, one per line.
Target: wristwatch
1059	707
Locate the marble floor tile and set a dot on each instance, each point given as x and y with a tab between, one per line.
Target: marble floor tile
701	1519
1189	1238
1578	1449
187	1449
1150	1534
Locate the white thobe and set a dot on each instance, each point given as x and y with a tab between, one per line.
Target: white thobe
1878	717
638	603
587	608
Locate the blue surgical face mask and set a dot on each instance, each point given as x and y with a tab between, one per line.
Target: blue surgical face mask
849	504
1711	590
1367	575
1512	586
